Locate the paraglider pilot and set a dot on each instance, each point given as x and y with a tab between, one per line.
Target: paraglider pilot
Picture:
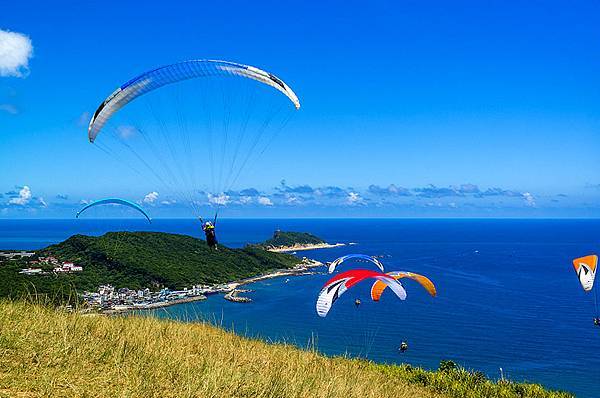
209	230
403	346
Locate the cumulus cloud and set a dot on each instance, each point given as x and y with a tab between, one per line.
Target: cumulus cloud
15	51
151	197
498	192
331	192
292	200
249	192
529	199
300	189
23	197
9	108
468	189
127	132
354	198
221	199
390	190
431	191
245	200
42	202
62	196
263	200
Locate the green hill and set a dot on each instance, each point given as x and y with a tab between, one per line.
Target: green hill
286	238
139	260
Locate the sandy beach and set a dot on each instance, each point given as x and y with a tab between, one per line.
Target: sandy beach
296	248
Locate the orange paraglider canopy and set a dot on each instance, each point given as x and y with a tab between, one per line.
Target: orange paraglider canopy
585	267
378	287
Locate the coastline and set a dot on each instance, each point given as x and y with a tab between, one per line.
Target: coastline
297	248
118	309
230	288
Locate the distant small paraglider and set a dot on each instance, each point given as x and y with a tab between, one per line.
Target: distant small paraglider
357	302
403	347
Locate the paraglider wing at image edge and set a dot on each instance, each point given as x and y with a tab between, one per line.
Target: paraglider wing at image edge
585	267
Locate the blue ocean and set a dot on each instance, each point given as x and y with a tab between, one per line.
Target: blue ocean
507	293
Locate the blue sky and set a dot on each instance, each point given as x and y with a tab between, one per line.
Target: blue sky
409	109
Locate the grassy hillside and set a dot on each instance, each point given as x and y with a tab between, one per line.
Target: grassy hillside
283	238
49	353
139	260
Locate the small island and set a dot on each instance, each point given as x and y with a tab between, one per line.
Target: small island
284	241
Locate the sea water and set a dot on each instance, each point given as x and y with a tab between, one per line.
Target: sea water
507	293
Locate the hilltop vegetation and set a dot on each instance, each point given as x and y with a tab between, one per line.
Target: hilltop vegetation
53	353
283	238
138	260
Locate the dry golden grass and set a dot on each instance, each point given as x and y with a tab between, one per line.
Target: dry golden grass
53	354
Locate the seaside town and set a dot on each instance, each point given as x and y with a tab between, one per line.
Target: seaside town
109	299
38	266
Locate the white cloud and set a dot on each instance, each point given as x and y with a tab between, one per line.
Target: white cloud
529	199
221	199
23	198
84	119
168	202
15	51
291	199
126	132
42	202
151	197
263	200
9	108
354	198
245	200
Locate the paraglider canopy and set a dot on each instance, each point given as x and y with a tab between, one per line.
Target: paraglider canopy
339	284
335	263
378	287
115	201
585	267
174	73
196	126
